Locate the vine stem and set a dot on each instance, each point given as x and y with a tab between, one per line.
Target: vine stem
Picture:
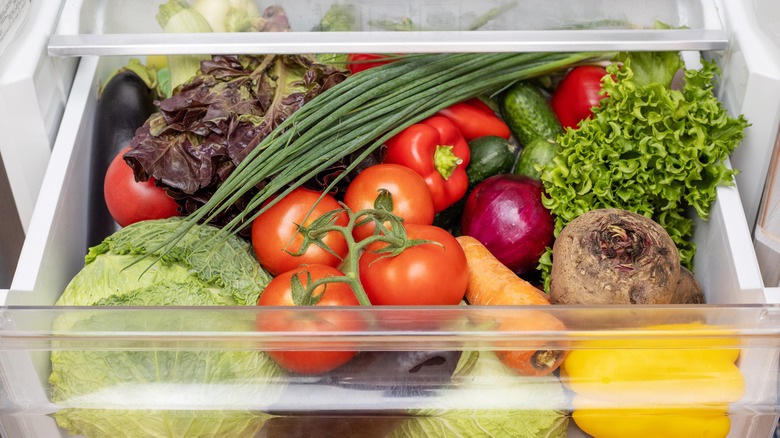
394	236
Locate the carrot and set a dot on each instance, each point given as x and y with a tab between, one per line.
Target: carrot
492	283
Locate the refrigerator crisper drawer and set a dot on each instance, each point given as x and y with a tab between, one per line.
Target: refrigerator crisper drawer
33	332
188	371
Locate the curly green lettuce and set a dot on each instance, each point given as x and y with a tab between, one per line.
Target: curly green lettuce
648	148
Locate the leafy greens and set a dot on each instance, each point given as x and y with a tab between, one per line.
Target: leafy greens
100	423
119	271
99	388
490	399
213	121
648	148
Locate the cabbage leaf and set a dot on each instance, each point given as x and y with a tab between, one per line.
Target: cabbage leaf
125	391
491	400
102	423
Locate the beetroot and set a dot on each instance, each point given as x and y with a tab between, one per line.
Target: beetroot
614	256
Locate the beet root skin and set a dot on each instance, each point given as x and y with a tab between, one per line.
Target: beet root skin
613	256
688	290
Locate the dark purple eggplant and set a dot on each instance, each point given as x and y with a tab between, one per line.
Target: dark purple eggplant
398	373
304	426
124	104
375	382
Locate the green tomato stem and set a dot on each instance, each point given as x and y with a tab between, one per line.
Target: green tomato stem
394	235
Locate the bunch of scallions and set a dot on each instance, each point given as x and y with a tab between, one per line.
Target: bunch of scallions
361	113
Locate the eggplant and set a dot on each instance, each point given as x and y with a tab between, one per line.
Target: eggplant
372	384
124	105
304	426
397	373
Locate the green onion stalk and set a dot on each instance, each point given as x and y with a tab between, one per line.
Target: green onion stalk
360	114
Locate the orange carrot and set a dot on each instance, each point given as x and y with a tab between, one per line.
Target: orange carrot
492	283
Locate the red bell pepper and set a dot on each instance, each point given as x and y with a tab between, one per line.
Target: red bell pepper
357	62
436	150
476	119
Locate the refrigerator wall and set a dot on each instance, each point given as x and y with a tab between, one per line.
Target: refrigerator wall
767	228
34	89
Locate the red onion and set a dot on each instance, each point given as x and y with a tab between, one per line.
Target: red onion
506	214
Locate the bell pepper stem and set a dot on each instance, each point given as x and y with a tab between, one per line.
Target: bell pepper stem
445	161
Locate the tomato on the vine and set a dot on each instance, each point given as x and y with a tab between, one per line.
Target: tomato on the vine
434	273
410	196
130	201
577	94
276	237
279	292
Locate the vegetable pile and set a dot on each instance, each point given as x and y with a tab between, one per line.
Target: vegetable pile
214	121
477	179
648	148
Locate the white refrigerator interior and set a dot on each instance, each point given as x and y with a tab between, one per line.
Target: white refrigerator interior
51	89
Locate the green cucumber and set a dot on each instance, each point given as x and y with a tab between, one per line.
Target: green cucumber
528	113
490	155
539	152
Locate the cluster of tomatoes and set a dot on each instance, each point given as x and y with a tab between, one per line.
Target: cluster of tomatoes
433	273
422	173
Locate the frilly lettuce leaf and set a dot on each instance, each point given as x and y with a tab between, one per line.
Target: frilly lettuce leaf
648	149
214	120
653	67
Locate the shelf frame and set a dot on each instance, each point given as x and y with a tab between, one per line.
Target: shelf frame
388	42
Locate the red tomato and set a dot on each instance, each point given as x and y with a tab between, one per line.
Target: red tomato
275	235
578	92
425	274
130	201
279	293
358	62
411	197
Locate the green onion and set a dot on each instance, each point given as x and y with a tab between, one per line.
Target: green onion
361	113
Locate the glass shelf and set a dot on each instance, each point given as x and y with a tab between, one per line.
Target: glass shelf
104	27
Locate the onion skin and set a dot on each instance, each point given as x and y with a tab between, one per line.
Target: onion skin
505	213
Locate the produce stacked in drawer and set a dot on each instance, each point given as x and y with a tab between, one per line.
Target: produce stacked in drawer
492	179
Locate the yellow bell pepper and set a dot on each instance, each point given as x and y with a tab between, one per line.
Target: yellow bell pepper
653	423
655	387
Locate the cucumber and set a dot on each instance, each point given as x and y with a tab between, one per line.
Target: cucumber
528	113
538	152
490	155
